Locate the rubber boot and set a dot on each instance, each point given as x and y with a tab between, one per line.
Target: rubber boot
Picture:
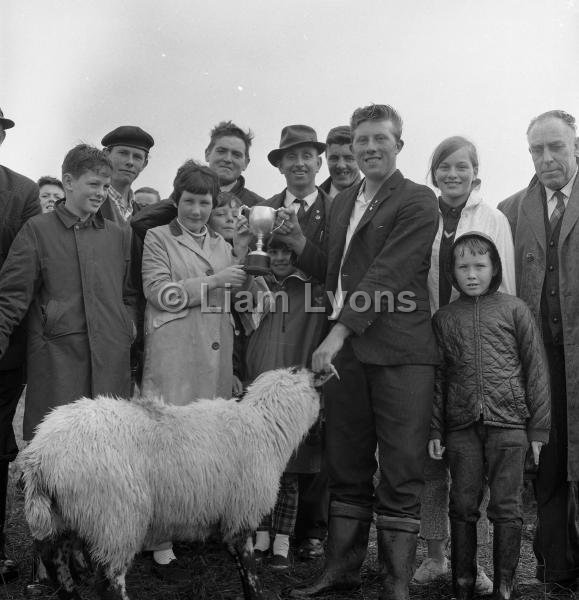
8	568
348	531
397	550
506	551
463	559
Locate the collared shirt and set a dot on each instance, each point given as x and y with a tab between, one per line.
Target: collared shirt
360	207
292	201
69	219
124	205
228	187
565	190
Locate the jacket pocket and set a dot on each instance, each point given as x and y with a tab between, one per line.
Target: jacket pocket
166	317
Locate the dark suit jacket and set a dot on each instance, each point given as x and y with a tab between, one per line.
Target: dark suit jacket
313	223
18	202
389	254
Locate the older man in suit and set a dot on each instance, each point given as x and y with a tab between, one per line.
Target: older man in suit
376	262
18	202
544	219
298	159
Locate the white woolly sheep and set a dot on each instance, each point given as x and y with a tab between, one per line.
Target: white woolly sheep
125	475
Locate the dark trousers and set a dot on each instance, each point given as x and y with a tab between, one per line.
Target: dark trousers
497	452
556	543
11	387
313	505
388	406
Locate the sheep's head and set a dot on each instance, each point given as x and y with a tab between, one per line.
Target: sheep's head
283	387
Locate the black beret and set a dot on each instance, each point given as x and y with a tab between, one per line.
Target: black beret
129	135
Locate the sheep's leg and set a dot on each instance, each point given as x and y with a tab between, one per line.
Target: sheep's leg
111	584
242	553
55	554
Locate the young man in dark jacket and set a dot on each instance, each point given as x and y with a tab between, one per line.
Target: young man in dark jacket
491	400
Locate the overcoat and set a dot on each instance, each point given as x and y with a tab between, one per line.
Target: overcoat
525	213
18	202
72	278
188	353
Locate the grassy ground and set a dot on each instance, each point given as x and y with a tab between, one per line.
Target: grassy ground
213	575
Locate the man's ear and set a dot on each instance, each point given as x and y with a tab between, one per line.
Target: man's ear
2	135
576	147
400	144
67	180
146	161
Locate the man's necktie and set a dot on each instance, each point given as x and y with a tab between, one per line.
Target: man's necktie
558	211
301	210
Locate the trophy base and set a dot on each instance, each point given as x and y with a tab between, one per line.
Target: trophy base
257	264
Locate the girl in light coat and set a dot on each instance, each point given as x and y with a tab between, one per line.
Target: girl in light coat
187	269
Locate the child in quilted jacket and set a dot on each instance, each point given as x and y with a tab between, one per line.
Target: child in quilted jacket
491	401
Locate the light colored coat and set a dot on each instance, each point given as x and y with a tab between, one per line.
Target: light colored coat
188	354
526	215
476	216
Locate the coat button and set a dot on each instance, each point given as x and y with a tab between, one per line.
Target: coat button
215	345
530	257
552	292
209	272
551	268
555	319
551	243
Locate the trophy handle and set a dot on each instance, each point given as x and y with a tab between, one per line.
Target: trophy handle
282	222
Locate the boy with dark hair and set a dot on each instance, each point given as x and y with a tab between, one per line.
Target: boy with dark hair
68	269
491	400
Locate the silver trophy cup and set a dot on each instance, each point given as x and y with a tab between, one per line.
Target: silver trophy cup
261	221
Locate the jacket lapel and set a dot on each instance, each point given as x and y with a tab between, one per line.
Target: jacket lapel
186	240
571	214
381	195
534	211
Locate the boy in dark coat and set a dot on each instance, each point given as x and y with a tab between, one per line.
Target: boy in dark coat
491	400
68	269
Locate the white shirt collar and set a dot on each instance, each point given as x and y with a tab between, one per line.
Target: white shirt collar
309	199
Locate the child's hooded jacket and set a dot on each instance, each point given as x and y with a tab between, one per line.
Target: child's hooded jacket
493	365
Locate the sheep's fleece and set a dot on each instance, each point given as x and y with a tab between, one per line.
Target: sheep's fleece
125	475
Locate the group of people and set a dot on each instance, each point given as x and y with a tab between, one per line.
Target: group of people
116	297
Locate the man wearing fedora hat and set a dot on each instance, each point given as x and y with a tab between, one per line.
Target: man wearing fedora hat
299	160
128	149
18	202
344	171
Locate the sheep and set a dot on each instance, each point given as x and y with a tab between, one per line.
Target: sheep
125	475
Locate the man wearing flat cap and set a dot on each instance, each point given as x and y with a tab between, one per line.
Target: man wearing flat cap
128	149
18	202
344	171
299	160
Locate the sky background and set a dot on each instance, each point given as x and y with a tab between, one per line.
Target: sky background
72	70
